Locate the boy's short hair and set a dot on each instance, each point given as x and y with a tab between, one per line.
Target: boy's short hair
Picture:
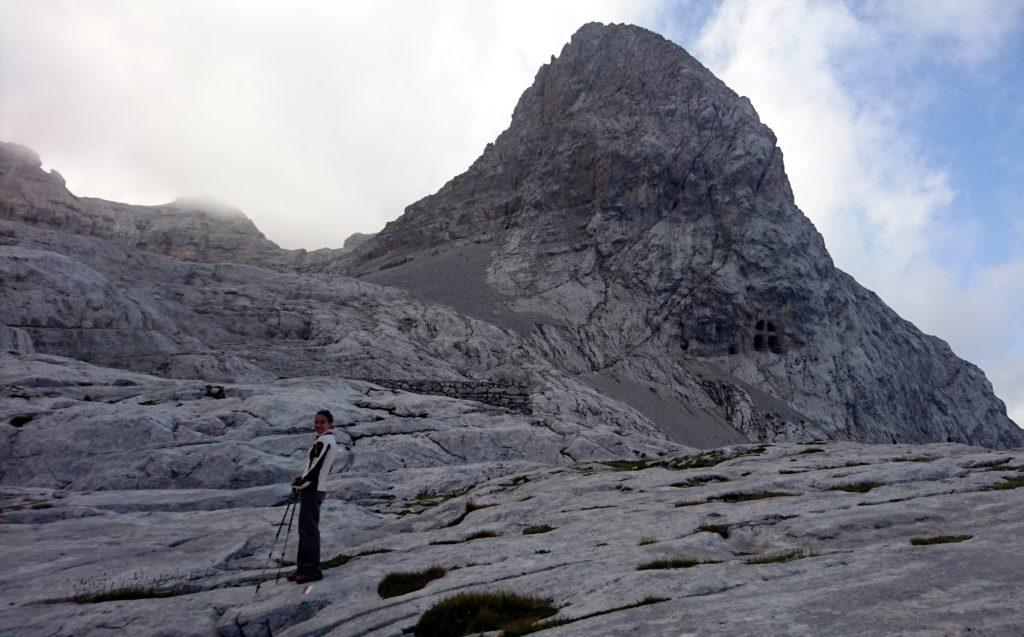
326	414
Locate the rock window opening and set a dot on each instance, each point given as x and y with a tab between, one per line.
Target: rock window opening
766	337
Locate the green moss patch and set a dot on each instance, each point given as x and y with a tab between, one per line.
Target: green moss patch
539	528
402	582
710	458
692	461
1009	482
476	612
787	556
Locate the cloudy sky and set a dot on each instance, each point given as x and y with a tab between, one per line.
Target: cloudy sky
901	122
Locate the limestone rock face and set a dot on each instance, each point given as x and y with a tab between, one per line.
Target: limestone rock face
96	301
185	229
639	207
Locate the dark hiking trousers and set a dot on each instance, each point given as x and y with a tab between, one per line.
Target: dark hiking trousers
308	560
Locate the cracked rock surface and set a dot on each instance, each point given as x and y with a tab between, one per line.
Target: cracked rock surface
857	571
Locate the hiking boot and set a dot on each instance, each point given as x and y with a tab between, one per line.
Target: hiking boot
302	578
291	576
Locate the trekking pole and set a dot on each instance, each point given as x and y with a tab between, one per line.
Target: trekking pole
284	549
274	543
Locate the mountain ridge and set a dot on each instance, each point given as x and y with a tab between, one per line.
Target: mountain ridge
634	228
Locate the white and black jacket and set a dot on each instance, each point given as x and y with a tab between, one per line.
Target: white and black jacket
318	466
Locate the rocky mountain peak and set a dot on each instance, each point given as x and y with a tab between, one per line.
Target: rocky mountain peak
599	62
636	219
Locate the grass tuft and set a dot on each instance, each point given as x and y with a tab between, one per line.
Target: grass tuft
856	487
647	539
787	556
401	582
692	461
131	586
627	465
732	498
674	562
539	528
1009	482
939	539
478	611
710	458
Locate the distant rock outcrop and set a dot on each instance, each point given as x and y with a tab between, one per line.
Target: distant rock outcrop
189	229
639	206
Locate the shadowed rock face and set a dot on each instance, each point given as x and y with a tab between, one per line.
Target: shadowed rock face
639	204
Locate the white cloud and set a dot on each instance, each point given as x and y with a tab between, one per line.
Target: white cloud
318	119
888	217
969	31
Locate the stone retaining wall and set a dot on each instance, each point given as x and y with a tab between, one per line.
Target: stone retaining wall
510	395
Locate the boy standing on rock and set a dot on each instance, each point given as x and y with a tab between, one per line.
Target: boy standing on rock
312	488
